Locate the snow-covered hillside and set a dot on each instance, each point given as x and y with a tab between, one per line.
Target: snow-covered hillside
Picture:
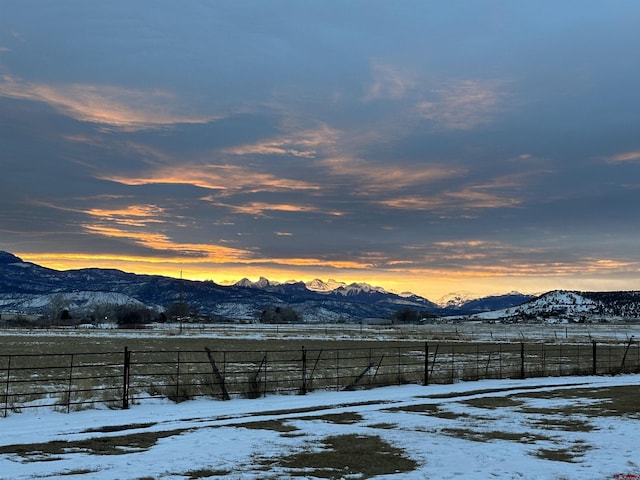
572	306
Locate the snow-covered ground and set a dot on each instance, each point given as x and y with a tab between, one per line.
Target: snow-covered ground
541	428
464	331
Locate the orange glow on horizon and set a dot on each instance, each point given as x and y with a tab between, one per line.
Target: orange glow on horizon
430	283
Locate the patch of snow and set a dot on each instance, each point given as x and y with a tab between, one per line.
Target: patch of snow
223	437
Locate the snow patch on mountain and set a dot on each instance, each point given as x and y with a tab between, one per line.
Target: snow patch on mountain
330	285
557	303
455	299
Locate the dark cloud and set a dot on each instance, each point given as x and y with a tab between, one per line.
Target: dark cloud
428	147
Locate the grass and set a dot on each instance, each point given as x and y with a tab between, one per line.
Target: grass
205	473
595	402
346	418
569	455
89	370
344	456
99	445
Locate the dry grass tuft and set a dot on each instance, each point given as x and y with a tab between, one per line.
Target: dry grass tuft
349	456
345	418
274	425
493	402
480	436
568	455
116	445
205	473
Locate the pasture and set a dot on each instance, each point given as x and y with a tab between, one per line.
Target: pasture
75	369
176	427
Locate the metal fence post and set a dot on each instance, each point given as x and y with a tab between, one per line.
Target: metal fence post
594	356
69	384
522	374
178	377
125	378
6	388
304	372
426	363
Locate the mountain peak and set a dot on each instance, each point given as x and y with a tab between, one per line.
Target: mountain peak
455	299
318	285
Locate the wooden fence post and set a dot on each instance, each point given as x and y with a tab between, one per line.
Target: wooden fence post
125	378
216	375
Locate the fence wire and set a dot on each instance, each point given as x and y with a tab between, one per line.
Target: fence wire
76	381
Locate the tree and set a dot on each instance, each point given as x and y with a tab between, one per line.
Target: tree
176	310
280	315
57	305
132	315
406	315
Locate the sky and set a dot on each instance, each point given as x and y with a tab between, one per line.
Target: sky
430	147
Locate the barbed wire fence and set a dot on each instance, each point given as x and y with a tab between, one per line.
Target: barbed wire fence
119	379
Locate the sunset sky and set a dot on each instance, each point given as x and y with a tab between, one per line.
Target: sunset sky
432	147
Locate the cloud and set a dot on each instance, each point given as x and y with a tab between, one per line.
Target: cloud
462	105
389	82
134	216
303	144
115	107
624	157
162	243
216	177
386	177
260	208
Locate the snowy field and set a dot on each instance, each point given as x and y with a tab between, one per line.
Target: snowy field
464	331
542	428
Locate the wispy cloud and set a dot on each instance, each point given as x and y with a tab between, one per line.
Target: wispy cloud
164	244
111	106
389	82
134	216
262	208
464	199
624	157
462	105
298	144
216	177
370	176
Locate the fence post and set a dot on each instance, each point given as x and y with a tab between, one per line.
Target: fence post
594	356
304	371
178	375
522	374
426	363
266	385
69	384
338	369
453	360
125	378
6	388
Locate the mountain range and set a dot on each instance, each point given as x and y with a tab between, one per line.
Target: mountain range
30	288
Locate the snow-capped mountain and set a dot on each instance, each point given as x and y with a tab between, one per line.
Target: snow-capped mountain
318	285
455	299
30	288
563	305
